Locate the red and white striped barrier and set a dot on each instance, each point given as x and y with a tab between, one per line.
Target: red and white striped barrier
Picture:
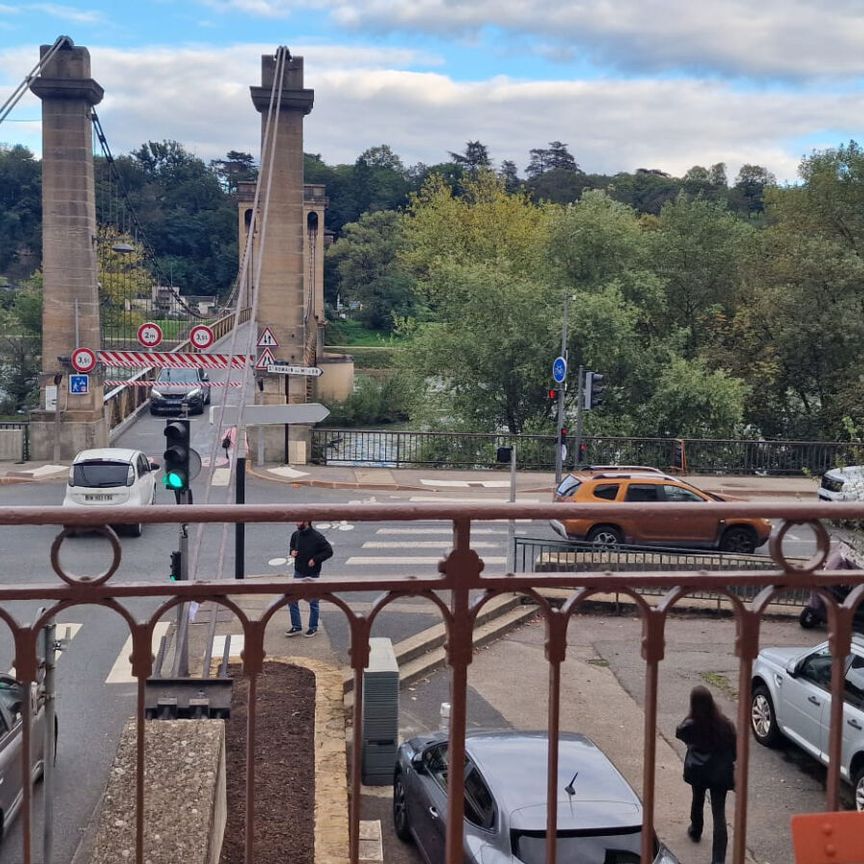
145	360
168	385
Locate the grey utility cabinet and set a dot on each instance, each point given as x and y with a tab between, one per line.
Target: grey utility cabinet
380	714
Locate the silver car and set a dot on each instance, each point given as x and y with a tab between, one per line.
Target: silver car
11	781
791	697
599	813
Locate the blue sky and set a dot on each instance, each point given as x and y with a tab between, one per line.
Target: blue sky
625	83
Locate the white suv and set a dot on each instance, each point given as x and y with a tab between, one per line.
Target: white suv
843	484
791	697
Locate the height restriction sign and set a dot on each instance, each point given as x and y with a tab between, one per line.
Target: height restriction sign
201	336
149	334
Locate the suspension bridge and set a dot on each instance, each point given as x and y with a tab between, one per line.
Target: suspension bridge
113	317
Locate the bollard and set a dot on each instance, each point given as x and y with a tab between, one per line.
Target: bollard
444	724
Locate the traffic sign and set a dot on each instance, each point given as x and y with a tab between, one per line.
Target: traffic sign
149	334
79	385
267	339
83	360
268	415
559	370
201	336
265	359
285	369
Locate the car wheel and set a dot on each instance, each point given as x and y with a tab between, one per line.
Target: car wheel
763	719
738	539
605	535
807	619
134	530
153	411
400	810
858	789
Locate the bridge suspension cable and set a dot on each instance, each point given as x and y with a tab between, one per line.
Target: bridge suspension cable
24	86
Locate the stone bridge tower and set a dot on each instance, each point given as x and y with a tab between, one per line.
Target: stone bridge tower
70	289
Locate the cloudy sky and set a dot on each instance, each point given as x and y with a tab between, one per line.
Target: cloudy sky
625	84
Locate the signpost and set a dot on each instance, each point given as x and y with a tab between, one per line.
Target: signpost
272	415
83	360
149	334
201	336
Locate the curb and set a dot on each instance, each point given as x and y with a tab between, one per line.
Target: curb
334	484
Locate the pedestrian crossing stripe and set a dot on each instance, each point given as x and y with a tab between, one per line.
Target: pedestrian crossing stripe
424	544
426	499
65	631
372	560
234	648
467	484
448	531
121	671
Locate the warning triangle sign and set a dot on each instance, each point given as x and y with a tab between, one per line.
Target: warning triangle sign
267	339
265	359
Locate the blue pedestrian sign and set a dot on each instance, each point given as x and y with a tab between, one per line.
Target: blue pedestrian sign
559	370
79	385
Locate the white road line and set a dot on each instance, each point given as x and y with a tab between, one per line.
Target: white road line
237	642
424	544
121	671
373	561
221	477
467	484
448	531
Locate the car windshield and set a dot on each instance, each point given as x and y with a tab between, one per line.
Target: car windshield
621	846
568	486
178	376
101	475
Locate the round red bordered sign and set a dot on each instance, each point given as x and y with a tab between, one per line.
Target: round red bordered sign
201	336
149	334
83	360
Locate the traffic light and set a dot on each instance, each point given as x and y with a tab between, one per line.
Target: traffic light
175	567
595	388
176	456
552	394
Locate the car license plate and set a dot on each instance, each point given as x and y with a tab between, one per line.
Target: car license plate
98	497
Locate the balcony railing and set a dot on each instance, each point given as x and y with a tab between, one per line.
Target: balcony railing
464	585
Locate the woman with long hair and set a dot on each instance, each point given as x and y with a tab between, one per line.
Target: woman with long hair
709	765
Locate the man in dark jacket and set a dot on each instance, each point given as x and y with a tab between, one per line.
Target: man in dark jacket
309	548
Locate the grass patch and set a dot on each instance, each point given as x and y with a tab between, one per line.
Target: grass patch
721	683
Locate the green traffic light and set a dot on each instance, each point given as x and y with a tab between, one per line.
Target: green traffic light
174	481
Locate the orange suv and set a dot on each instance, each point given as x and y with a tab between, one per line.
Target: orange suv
605	484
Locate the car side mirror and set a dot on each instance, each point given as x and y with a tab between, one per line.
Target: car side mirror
792	667
205	376
154	466
418	764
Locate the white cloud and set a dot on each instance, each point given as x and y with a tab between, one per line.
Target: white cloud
794	39
201	99
67	13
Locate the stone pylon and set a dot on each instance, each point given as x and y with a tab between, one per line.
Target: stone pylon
282	304
70	288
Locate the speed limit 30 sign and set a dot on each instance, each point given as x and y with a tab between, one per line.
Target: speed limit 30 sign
149	334
201	336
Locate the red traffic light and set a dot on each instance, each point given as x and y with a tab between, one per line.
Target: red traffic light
552	393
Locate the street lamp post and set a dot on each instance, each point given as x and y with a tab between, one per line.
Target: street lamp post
559	425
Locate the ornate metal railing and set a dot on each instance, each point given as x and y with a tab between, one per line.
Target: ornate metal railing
467	586
399	449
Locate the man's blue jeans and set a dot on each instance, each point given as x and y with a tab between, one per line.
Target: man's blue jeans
294	609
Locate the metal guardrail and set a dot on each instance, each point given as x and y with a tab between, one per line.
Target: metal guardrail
401	449
560	556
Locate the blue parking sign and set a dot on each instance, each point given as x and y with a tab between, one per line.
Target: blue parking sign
79	385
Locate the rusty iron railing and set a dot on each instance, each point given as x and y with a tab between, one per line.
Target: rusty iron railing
470	585
124	400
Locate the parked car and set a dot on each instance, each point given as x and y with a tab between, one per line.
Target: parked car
12	693
618	485
791	698
599	813
111	476
175	388
842	484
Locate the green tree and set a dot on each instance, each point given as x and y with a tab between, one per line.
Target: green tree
235	168
20	210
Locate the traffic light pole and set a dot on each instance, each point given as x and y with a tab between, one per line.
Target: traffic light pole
181	660
240	498
559	425
580	413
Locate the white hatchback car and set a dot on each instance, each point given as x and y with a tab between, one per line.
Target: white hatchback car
112	476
